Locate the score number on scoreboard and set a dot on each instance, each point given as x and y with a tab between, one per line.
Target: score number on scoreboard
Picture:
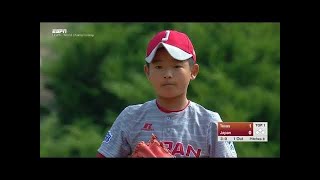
243	131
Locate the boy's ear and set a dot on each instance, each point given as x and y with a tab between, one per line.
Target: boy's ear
146	70
194	71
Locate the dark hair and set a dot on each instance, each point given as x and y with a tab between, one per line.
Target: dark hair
191	63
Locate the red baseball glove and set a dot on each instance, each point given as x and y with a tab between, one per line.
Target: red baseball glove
152	149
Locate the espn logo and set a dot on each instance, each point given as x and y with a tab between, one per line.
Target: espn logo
58	31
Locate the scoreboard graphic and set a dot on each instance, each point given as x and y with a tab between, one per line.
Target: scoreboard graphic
243	131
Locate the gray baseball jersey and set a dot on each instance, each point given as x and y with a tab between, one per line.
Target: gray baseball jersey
191	132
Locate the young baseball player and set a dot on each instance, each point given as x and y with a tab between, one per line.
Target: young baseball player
186	128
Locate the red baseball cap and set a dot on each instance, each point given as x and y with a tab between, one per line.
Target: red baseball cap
178	45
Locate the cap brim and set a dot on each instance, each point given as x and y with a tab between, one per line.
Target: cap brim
175	52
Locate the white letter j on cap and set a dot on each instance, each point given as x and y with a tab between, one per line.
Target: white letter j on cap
167	36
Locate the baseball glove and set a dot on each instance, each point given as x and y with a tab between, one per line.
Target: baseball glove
152	149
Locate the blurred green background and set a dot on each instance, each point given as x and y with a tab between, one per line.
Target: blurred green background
87	80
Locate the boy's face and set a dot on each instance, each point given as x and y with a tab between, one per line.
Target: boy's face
169	77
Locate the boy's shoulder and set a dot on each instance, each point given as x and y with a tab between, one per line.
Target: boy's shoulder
132	109
202	111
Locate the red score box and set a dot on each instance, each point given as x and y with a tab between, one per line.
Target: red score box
235	129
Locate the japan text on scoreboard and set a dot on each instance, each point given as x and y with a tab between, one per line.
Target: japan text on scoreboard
243	131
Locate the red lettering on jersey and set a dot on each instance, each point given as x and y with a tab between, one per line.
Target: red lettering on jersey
169	145
178	149
190	148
